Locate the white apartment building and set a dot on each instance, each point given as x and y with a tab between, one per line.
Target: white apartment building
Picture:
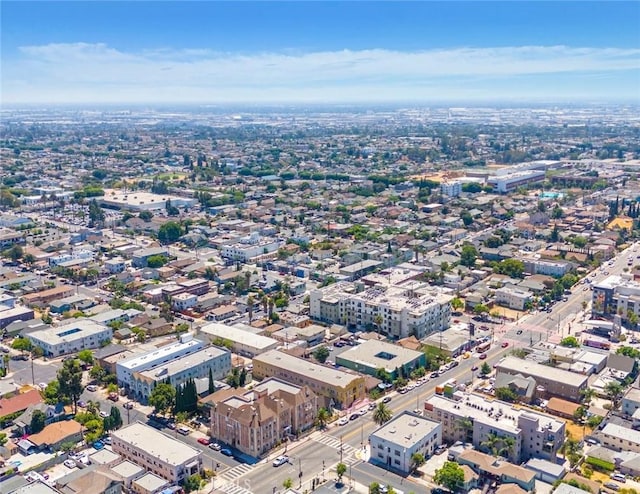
546	267
394	443
396	311
616	295
125	369
517	434
184	301
620	438
76	254
512	297
451	189
156	452
244	342
249	247
76	335
193	366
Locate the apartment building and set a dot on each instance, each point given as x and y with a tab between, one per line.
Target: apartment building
192	366
395	311
512	297
616	295
156	452
546	267
620	438
45	296
256	421
163	355
249	247
394	443
550	381
243	342
452	188
335	388
73	336
140	257
497	427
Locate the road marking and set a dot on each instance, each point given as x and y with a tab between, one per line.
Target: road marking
235	472
348	451
232	488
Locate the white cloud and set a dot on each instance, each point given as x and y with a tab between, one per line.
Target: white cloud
84	72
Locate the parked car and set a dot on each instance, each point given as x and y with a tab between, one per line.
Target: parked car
619	477
386	399
226	452
505	344
128	405
354	416
343	421
215	446
92	387
103	414
184	430
98	445
612	486
482	356
70	464
280	460
204	441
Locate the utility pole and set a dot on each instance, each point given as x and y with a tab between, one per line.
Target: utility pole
299	473
340	449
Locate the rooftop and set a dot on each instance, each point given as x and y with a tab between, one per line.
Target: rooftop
74	330
156	444
406	430
165	351
380	354
184	363
238	335
305	368
514	365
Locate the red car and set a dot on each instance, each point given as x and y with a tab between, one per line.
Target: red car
505	344
204	441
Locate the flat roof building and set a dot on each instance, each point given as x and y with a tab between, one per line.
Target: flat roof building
337	388
143	201
394	443
156	452
244	342
126	368
192	366
372	355
73	336
550	381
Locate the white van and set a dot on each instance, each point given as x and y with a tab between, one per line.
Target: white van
184	430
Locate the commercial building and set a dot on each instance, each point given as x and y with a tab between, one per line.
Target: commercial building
394	443
44	297
395	311
17	313
372	355
143	201
156	452
336	388
192	366
494	426
243	342
256	421
73	336
550	381
512	297
163	355
511	181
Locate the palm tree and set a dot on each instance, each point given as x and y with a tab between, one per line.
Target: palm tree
322	418
466	424
613	390
507	443
587	395
382	414
491	443
250	302
377	320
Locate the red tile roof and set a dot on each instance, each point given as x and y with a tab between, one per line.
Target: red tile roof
19	403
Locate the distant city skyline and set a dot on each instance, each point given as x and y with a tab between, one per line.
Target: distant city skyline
319	52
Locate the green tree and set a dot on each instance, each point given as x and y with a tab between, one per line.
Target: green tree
14	253
382	414
145	216
116	418
37	421
170	232
511	267
341	469
70	380
212	386
480	309
570	341
374	488
322	418
22	344
613	390
287	483
450	476
52	395
417	460
97	373
86	356
156	261
468	255
321	354
485	369
506	394
457	303
193	483
162	398
96	214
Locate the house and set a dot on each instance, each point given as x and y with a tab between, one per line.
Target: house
502	471
52	413
54	435
18	403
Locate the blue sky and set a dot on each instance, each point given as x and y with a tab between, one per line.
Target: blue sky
319	52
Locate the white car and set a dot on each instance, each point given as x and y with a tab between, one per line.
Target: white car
280	460
70	463
343	421
103	414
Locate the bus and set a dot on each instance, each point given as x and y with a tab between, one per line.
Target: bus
483	347
596	343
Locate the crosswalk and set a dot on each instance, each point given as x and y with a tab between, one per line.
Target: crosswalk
348	452
231	488
234	473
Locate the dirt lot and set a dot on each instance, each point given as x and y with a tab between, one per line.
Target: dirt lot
577	431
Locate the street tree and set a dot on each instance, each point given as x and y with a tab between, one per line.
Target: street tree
341	469
37	421
382	414
22	344
162	398
86	356
169	232
70	380
468	255
322	418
